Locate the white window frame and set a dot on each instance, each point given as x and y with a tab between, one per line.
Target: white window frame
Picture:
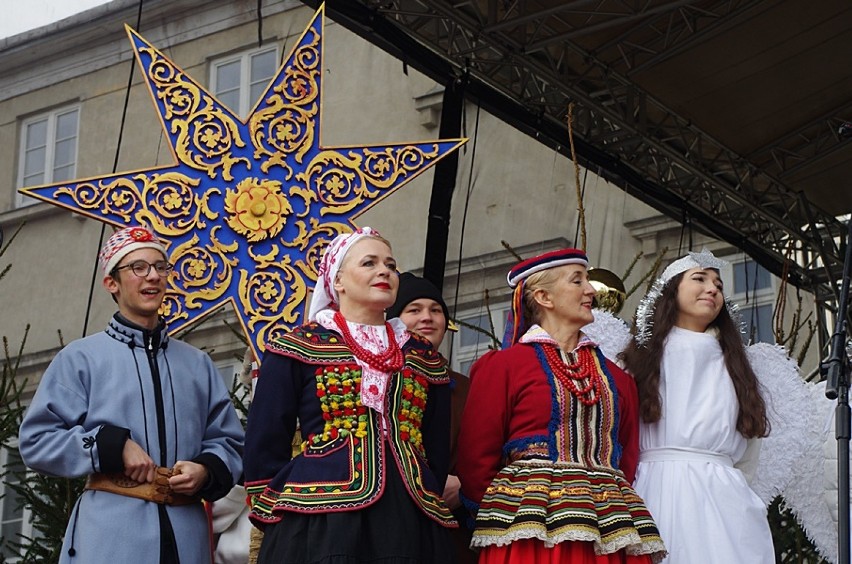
244	58
751	298
50	150
26	514
464	356
232	367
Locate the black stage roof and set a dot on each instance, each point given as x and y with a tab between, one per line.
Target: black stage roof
730	114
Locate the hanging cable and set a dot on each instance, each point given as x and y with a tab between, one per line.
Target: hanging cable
470	183
689	231
114	168
751	295
683	222
466	205
259	24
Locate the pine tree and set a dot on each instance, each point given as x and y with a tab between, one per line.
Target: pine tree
49	500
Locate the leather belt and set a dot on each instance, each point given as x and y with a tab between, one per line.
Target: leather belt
157	491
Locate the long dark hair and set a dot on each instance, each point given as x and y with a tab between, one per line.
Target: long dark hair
643	362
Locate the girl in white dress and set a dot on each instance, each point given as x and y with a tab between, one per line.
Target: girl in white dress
702	414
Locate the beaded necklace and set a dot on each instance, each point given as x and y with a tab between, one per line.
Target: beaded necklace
572	375
388	361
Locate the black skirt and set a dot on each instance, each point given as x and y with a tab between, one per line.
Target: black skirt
393	530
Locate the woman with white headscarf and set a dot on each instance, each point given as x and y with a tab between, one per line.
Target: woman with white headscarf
372	402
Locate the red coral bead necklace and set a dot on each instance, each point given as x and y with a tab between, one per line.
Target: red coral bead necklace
390	360
572	375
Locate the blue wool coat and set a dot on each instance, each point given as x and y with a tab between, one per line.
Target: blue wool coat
168	397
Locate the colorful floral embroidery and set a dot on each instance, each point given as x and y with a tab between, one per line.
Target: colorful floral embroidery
339	392
410	415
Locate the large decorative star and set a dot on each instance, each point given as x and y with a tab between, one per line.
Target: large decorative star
249	205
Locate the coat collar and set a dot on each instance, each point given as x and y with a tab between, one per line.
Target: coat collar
125	331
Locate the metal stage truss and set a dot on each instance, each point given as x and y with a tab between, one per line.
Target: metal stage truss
527	60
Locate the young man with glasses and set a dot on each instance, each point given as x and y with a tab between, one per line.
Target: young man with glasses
147	419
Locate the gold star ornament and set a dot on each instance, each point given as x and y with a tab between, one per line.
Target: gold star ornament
249	204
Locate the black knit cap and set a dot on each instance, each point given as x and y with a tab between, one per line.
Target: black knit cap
412	288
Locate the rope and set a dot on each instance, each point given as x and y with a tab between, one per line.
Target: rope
581	209
581	217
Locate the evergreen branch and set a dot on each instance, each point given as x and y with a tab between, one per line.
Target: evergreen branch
238	333
632	264
476	328
5	270
51	503
796	326
509	248
652	274
12	238
800	359
10	398
20	354
490	332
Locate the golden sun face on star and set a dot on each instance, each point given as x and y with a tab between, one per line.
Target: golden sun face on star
249	204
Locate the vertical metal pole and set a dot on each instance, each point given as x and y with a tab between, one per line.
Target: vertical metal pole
837	387
443	185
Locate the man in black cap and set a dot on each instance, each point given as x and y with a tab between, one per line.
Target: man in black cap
421	307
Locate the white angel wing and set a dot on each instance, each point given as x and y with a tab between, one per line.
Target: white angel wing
788	410
805	493
791	461
610	333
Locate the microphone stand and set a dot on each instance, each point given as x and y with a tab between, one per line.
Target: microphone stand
837	387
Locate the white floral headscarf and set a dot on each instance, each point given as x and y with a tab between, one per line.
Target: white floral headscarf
325	296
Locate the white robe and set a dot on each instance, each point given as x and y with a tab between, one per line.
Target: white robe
700	500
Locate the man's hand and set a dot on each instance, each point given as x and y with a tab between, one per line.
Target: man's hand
451	492
138	465
189	477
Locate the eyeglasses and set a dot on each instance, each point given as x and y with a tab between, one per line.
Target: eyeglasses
142	268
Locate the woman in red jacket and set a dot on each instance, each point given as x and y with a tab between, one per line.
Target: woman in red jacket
549	436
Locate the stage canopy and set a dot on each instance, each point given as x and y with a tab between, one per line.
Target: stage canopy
728	114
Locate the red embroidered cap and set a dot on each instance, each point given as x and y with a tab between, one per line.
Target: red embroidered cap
125	241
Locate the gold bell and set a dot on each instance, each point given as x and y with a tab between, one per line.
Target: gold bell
609	290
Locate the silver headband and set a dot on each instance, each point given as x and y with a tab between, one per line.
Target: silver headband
645	311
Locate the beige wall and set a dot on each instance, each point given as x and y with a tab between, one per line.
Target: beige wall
522	192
